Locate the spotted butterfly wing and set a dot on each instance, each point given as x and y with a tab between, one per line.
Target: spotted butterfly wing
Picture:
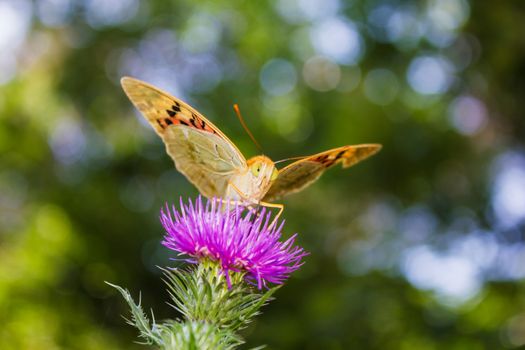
199	149
304	172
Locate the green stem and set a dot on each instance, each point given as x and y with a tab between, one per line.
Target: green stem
212	312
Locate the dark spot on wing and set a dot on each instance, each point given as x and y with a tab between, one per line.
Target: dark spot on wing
171	113
196	120
168	121
184	123
176	107
340	154
329	162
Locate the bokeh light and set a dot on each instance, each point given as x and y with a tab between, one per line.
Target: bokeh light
444	18
15	22
68	141
338	39
307	10
278	77
54	13
468	115
321	74
430	75
508	194
101	13
450	276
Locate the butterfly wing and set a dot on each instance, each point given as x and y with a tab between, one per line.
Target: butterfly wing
302	173
199	149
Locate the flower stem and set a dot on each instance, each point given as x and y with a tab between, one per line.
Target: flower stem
212	311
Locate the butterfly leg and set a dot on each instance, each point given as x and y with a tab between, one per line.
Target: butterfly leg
245	201
273	205
229	202
245	198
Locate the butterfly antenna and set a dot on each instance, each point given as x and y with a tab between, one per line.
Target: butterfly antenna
291	158
238	112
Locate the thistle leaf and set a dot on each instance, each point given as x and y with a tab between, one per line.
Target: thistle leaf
139	318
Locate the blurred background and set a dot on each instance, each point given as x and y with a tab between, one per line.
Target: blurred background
420	247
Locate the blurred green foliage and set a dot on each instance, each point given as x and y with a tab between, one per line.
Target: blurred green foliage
421	247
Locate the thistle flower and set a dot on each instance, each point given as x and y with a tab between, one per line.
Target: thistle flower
239	240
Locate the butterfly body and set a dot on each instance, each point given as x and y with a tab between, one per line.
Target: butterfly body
215	165
252	183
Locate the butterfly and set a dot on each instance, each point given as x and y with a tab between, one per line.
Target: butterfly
212	162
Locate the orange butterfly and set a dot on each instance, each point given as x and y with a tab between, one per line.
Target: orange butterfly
215	165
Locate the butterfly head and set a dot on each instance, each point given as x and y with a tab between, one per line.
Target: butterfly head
263	170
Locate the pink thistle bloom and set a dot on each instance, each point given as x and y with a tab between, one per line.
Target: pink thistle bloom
238	240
